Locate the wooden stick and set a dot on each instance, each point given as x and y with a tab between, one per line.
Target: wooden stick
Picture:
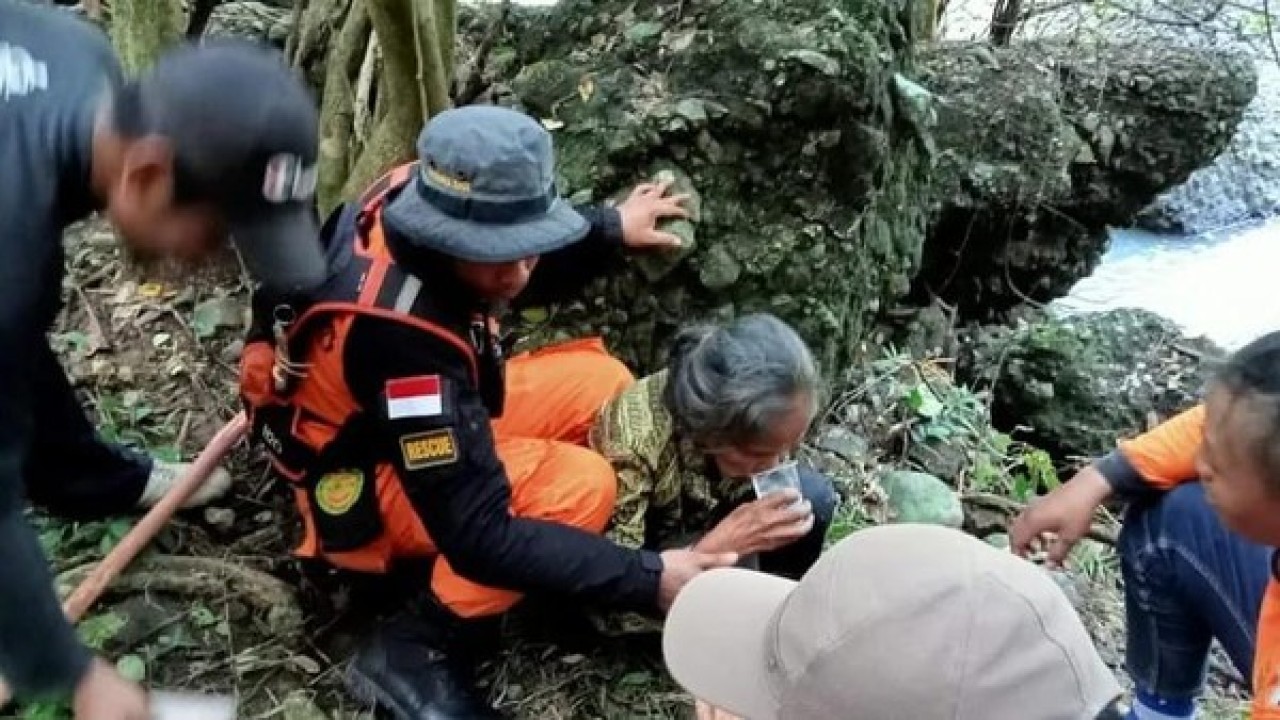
90	589
88	592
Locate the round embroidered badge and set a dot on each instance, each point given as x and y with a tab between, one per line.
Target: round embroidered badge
337	492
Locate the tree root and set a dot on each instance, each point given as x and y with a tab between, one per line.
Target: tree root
141	29
364	105
337	110
206	578
372	111
314	23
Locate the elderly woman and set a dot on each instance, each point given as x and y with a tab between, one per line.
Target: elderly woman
733	402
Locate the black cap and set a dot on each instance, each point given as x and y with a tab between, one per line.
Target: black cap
244	130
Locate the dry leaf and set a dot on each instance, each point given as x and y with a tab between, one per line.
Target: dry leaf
586	87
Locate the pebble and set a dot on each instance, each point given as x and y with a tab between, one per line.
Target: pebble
222	519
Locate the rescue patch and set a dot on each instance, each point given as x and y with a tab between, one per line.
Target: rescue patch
429	449
419	396
338	491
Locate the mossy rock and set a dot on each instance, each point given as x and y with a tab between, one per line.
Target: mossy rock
782	116
916	497
1080	383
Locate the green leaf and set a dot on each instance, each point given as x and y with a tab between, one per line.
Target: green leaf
215	313
132	668
534	315
206	317
167	453
692	109
45	711
203	616
922	400
97	630
113	532
643	31
51	539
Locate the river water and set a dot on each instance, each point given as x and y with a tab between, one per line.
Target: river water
1224	285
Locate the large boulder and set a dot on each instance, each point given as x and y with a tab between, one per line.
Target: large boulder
261	21
1079	383
1045	144
795	122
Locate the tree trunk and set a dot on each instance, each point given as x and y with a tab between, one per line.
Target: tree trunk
142	29
201	11
371	112
1004	21
337	107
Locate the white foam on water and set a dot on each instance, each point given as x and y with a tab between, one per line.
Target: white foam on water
1223	285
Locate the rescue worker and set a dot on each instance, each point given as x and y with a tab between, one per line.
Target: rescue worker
175	159
387	402
734	401
1198	544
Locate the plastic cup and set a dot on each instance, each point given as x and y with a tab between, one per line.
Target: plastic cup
777	479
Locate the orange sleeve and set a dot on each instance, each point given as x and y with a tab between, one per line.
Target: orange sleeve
1165	456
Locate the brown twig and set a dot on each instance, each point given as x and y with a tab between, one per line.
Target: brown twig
1271	35
95	325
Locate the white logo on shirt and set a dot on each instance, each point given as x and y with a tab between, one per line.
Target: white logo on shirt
20	74
288	179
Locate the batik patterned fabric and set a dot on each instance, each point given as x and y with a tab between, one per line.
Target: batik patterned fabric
668	492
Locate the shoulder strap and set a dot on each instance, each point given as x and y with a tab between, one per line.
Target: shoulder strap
376	194
372	283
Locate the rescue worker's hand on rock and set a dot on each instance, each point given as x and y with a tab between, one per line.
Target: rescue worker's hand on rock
681	566
103	694
1065	515
760	526
648	204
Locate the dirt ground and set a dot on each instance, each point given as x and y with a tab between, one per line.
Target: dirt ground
218	604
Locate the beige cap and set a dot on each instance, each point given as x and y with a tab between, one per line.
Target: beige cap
910	622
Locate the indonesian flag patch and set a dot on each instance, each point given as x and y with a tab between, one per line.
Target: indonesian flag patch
414	397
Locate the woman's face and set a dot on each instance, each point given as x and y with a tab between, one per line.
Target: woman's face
1235	482
771	448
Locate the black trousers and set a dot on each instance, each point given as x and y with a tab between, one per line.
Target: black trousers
71	471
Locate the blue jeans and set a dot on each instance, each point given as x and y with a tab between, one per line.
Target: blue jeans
1188	579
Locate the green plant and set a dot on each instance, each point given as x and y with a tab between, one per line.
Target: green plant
126	418
938	426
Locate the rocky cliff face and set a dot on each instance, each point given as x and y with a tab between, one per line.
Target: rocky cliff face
838	173
1045	144
1075	385
797	125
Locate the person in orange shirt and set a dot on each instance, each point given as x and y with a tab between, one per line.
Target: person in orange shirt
1198	546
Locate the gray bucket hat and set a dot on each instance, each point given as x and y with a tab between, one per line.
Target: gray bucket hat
485	189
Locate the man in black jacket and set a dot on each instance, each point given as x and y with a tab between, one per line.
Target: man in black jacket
391	408
211	139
